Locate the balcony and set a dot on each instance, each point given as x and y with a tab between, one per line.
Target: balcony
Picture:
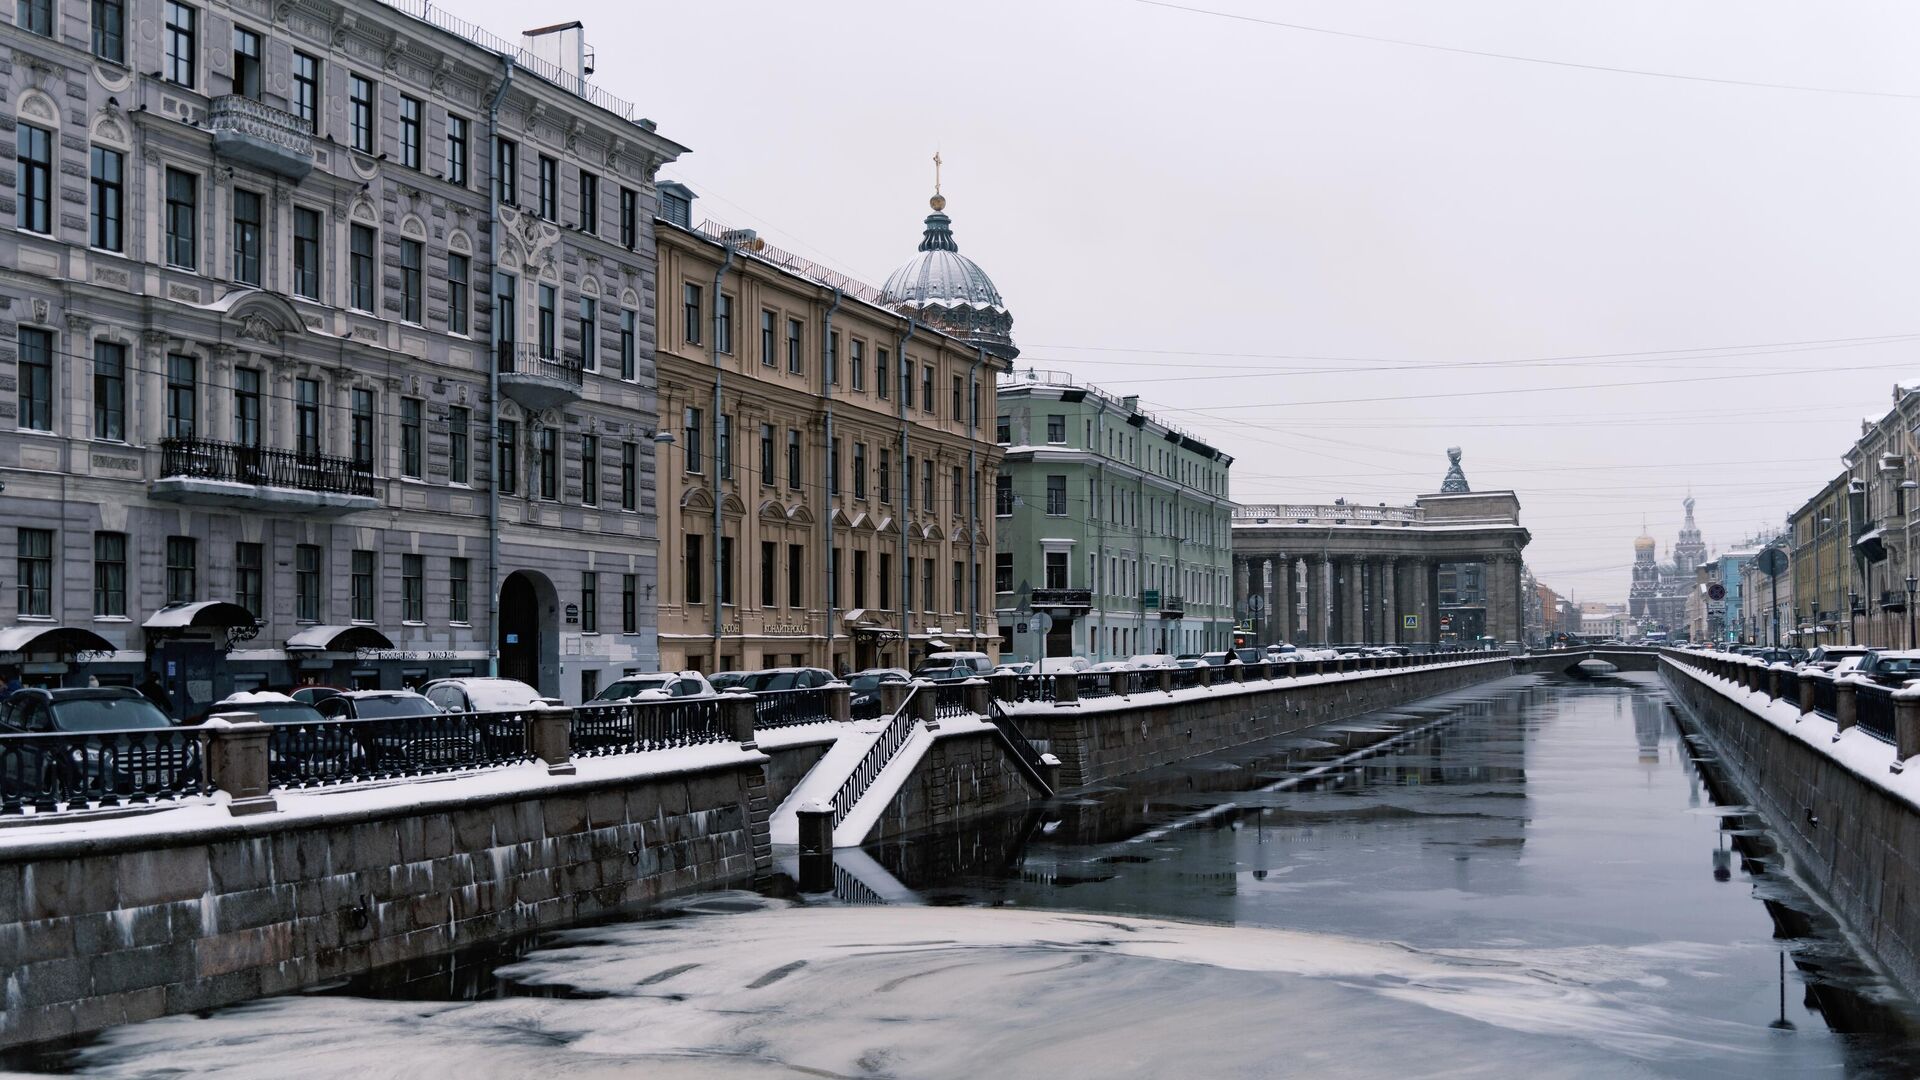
1893	600
260	135
1172	607
1059	599
538	382
207	473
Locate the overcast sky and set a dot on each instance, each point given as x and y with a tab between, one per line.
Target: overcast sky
1335	257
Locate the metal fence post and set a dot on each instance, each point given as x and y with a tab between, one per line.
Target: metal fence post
237	763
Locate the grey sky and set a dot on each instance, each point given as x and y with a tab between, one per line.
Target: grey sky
1198	210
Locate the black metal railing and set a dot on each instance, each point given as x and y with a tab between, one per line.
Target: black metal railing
205	459
786	708
950	699
633	726
50	773
1032	688
1099	684
1789	683
525	359
1025	753
325	752
1873	710
891	739
1823	696
1186	678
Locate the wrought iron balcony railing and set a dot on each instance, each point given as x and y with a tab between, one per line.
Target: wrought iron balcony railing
205	459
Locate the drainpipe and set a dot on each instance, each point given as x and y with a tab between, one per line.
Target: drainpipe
826	519
493	373
906	495
720	465
973	497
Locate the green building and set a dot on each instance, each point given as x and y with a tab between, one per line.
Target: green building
1113	534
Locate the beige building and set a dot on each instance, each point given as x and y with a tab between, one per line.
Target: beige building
830	436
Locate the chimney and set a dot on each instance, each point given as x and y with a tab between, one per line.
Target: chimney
562	48
1132	402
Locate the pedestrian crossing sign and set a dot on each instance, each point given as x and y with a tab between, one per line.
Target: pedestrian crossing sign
1410	622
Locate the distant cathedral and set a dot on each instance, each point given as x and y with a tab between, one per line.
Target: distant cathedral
1658	597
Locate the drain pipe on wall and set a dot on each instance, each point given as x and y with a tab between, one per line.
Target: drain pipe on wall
973	498
906	498
832	466
493	374
720	465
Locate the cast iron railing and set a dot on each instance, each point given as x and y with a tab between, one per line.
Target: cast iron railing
950	699
891	739
205	459
49	773
1823	696
786	708
1186	678
1098	684
244	116
1032	688
646	725
324	752
1873	710
1024	752
526	359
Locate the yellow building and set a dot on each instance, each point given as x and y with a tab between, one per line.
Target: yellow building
1821	560
830	434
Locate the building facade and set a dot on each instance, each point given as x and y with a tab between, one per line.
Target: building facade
327	328
841	464
1766	600
1657	597
1112	525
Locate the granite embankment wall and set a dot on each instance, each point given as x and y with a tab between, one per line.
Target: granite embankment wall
1849	825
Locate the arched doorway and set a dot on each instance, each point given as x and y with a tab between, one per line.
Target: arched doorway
529	636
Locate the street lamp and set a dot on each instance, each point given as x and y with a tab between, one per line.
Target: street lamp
1907	489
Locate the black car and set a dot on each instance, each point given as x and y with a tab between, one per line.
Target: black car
115	743
305	748
412	734
864	701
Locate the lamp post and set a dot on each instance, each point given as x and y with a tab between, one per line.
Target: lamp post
1820	526
1907	489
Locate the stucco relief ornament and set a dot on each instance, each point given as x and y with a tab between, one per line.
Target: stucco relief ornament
257	327
282	11
441	74
573	134
342	25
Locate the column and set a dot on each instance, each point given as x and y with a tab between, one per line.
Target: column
1289	601
1265	572
1316	622
1430	598
1353	608
1390	595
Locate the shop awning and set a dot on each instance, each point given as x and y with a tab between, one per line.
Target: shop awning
51	641
338	639
200	615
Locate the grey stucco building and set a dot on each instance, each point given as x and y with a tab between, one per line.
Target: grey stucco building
334	323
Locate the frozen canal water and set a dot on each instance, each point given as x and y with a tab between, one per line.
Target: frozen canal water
1535	879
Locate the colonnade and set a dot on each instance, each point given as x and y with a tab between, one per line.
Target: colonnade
1324	598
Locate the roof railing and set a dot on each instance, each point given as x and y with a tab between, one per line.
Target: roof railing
797	264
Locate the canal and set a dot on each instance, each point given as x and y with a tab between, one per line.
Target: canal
1541	877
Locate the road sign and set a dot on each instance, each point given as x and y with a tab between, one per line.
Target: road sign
1019	628
1716	591
1772	562
1410	622
1041	622
1256	602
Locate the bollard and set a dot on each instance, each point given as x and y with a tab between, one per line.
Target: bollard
1806	693
736	715
237	762
1773	682
1005	687
816	847
1845	706
979	697
1050	771
1066	688
892	694
550	734
840	703
1906	727
1166	679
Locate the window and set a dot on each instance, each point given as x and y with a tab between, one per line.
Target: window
793	460
35	17
1057	570
859	579
884	481
767	322
110	30
954	506
412	268
183	211
412	443
306	89
880	372
360	112
360	259
906	382
589	602
505	314
109	575
361	586
182	395
35	571
959	389
926	485
458	575
246	68
926	388
36	379
459	271
796	575
547	457
107	207
182	569
306	583
833	578
590	470
1056	496
833	357
549	301
723	453
629	222
906	483
769	571
457	426
927	601
246	407
833	467
33	179
509	464
306	408
629	335
766	455
456	149
589	203
361	436
249	578
1003	430
413	588
246	236
589	333
1003	571
690	430
109	390
726	570
1003	496
629	475
690	573
906	585
723	323
183	50
859	472
409	132
306	253
886	582
794	360
1056	429
506	170
959	583
857	365
549	188
690	309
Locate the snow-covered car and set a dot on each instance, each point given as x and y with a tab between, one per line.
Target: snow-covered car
1146	661
110	751
723	681
948	666
787	678
1105	667
1017	667
1191	662
316	752
1064	665
865	699
484	694
656	686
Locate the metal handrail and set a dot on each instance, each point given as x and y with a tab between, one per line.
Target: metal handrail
634	726
892	738
1024	752
235	462
520	358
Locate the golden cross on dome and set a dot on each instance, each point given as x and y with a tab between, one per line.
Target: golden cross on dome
936	172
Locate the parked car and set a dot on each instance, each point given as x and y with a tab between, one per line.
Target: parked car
865	699
1143	661
723	681
946	666
1106	667
119	760
314	754
1063	665
310	695
1192	662
1221	659
1837	658
433	740
1017	667
658	686
787	678
484	694
1890	668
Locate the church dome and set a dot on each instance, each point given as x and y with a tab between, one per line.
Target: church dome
1644	543
949	291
